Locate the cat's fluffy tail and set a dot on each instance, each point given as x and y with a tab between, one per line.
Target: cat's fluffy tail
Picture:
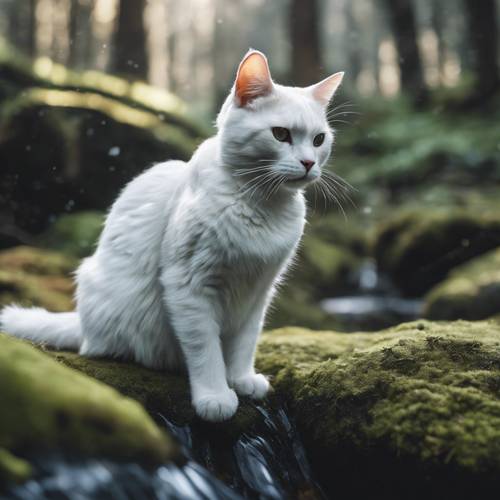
59	330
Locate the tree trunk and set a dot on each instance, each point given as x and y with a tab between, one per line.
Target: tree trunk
483	37
129	45
404	29
304	36
353	43
437	22
31	42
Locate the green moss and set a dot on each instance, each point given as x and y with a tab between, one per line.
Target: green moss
418	248
75	234
158	392
46	405
89	134
422	399
472	291
13	469
296	305
35	277
18	72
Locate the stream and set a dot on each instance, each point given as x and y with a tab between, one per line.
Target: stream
374	304
268	464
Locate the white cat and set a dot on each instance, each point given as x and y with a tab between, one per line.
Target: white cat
190	253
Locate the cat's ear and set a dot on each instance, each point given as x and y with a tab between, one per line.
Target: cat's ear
325	89
253	78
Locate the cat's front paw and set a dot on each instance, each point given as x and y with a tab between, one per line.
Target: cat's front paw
216	407
255	385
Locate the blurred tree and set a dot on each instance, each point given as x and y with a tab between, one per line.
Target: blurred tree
304	37
80	33
353	41
483	36
31	38
437	24
22	25
129	43
404	28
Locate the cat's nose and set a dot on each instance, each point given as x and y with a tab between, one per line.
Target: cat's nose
308	164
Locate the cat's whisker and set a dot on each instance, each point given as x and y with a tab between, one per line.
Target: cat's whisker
259	182
341	192
333	195
276	185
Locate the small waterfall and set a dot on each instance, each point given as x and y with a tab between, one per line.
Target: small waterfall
269	463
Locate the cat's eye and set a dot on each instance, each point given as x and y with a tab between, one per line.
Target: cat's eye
282	134
319	139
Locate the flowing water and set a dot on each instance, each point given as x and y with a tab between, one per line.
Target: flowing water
268	464
374	304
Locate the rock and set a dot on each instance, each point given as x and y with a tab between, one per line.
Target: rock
420	401
418	404
75	234
472	291
418	248
34	277
80	138
47	406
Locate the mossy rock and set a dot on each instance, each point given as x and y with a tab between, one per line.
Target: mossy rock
75	234
35	277
420	400
472	291
79	138
296	305
418	248
415	405
47	406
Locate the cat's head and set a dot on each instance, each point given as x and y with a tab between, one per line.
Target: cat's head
274	136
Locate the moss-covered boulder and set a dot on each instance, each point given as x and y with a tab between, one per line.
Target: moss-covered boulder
79	138
47	406
418	404
472	291
34	277
413	410
75	234
418	248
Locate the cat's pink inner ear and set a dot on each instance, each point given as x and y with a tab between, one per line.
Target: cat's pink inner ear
325	90
253	79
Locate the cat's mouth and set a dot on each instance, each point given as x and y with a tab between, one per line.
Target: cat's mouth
304	178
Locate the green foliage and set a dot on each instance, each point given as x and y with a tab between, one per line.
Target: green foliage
395	147
472	291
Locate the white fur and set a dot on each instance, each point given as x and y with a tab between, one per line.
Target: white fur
190	254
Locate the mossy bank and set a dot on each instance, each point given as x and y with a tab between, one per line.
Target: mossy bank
418	404
47	406
412	411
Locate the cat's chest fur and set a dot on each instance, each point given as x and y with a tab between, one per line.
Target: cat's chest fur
224	241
